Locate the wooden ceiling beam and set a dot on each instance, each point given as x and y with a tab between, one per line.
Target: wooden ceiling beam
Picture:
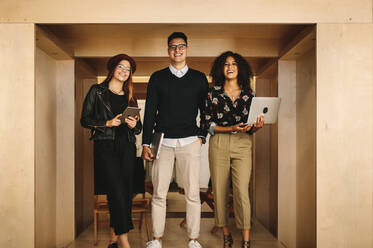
266	67
301	44
83	68
102	46
147	65
51	45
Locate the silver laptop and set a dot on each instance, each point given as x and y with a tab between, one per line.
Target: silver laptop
268	106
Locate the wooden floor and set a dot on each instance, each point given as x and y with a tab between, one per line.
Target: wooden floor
176	237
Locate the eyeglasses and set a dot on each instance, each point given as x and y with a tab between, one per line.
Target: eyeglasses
181	47
124	68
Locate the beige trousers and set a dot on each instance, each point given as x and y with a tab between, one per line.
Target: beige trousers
188	162
231	152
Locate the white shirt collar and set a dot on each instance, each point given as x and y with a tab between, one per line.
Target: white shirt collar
179	73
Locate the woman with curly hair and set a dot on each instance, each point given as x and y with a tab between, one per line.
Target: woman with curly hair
230	147
114	142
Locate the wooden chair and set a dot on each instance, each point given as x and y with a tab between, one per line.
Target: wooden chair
139	206
149	187
142	207
100	207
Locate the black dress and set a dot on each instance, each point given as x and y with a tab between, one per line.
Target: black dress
115	159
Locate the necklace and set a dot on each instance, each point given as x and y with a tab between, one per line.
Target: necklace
117	92
232	93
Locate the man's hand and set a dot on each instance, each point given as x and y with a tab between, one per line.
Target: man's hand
147	154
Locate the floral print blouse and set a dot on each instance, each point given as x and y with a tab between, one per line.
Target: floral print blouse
221	111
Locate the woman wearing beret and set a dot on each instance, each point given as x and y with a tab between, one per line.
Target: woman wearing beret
226	110
114	142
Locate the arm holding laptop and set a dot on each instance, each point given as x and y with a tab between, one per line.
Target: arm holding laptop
241	127
211	112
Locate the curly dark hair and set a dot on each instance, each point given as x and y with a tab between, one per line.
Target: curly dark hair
244	70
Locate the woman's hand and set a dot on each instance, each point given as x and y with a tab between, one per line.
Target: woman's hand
131	121
241	127
114	122
259	123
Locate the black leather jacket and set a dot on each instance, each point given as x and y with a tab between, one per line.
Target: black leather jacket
96	111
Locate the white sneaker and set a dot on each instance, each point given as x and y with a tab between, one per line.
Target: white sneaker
154	244
194	244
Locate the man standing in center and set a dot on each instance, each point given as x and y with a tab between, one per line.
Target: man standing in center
173	98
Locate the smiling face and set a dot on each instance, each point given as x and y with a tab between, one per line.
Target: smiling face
122	71
230	68
177	50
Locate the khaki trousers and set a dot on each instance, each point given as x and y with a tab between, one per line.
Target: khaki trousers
188	162
231	152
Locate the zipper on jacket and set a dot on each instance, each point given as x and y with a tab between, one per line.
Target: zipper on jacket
99	93
107	106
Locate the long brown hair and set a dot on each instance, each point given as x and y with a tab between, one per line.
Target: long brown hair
128	87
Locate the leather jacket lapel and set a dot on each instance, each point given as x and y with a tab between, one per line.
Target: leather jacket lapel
103	95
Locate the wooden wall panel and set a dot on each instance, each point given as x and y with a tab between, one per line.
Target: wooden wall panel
262	163
266	163
273	199
65	186
344	115
287	153
83	153
17	135
45	150
306	150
